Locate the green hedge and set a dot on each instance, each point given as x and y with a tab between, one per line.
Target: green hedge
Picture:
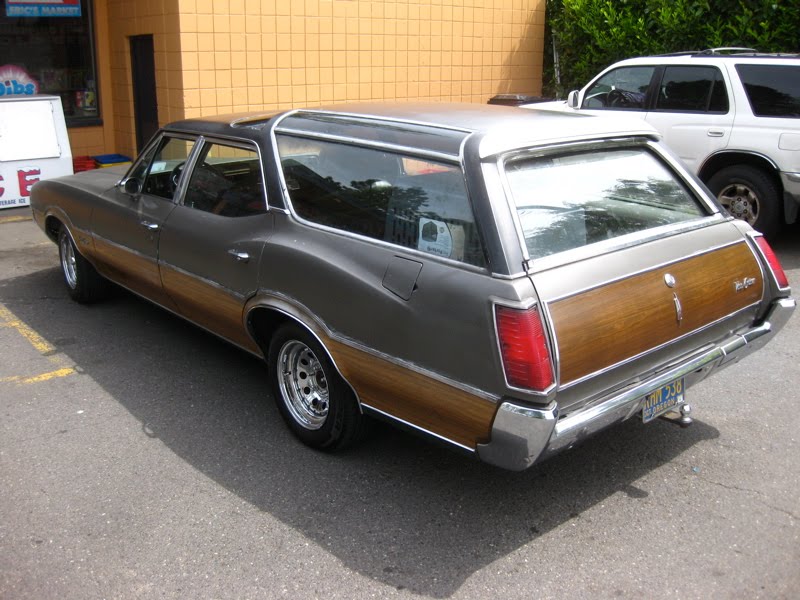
591	34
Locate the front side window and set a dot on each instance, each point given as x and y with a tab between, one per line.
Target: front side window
159	171
569	200
414	203
622	89
692	89
773	90
226	180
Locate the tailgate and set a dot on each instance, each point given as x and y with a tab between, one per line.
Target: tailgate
624	315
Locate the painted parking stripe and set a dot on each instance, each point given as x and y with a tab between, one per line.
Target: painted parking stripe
13	219
10	320
37	341
38	378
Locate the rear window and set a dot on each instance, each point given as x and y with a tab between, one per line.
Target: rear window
570	200
773	90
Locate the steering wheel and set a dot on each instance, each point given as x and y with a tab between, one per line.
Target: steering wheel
176	175
616	99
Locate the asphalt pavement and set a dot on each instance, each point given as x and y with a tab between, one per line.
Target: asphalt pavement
143	458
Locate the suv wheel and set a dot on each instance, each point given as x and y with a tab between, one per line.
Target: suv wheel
748	194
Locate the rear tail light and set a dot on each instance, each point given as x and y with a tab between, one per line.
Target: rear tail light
523	348
774	263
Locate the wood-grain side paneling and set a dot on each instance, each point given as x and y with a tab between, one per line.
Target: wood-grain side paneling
415	398
212	307
607	325
134	271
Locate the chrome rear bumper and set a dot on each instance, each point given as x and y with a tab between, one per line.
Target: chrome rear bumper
522	435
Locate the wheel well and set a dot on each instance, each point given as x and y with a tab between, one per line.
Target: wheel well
264	321
52	227
728	159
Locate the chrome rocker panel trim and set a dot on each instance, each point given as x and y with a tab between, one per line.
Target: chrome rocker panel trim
523	435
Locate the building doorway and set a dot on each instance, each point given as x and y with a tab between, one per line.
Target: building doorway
145	105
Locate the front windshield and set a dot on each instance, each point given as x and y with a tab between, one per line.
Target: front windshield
570	200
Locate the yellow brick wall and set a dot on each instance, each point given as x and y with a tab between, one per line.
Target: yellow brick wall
219	56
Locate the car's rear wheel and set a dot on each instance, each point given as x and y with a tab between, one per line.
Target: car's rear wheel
84	284
315	402
749	194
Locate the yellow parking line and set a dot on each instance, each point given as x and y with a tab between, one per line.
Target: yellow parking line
37	341
37	378
13	219
9	319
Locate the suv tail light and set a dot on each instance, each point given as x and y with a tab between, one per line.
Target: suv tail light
774	263
523	348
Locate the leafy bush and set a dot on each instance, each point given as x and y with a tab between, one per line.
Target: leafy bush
591	34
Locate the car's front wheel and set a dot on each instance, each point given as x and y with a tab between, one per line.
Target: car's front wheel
315	402
749	194
84	284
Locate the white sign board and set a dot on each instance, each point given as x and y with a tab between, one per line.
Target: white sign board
33	146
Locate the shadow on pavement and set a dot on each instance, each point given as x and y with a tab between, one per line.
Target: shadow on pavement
397	509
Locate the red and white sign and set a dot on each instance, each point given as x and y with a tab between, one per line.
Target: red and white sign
33	146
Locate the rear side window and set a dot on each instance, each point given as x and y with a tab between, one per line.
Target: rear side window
400	199
570	200
692	89
773	90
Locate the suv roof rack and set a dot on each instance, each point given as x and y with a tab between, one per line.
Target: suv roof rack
732	51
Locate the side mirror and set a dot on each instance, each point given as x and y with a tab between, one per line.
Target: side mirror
132	186
572	99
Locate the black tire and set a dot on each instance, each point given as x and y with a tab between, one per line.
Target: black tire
84	284
316	403
750	194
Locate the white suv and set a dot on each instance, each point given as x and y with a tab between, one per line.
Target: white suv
731	115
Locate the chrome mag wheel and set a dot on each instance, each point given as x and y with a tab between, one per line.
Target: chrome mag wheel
303	385
68	261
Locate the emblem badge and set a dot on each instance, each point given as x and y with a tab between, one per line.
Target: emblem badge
744	283
669	280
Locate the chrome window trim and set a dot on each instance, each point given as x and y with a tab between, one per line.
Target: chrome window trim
189	137
372	144
631	359
379	118
624	241
240	143
349	234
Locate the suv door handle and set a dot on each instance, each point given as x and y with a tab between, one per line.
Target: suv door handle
716	133
150	226
239	256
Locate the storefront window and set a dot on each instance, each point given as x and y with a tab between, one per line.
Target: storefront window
47	47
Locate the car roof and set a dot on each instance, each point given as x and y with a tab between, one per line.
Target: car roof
437	127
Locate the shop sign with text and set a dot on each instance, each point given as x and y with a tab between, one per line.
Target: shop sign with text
43	8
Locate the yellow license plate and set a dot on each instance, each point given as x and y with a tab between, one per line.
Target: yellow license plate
662	400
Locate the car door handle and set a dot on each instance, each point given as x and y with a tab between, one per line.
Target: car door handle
239	256
150	226
716	133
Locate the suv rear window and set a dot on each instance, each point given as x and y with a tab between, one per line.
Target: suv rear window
570	200
773	90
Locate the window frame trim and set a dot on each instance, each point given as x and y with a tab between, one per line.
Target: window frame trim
411	153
